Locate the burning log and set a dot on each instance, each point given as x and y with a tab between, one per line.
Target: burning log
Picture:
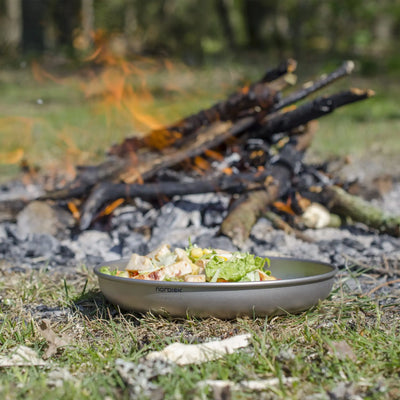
311	110
262	94
128	166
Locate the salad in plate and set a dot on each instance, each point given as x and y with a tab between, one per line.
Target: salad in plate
194	264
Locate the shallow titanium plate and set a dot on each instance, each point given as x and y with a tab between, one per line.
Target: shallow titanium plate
301	285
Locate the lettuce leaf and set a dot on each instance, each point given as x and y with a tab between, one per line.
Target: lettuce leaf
235	268
106	270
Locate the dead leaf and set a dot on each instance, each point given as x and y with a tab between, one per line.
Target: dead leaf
54	342
251	385
184	354
21	356
342	350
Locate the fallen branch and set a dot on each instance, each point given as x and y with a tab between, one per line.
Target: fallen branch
359	210
288	66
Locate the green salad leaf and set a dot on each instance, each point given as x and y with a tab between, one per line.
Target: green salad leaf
235	268
106	270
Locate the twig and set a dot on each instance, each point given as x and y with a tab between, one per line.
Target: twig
345	69
279	223
317	108
383	285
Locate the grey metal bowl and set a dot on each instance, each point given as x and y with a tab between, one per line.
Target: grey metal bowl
301	285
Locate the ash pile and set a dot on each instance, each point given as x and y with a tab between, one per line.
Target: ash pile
44	236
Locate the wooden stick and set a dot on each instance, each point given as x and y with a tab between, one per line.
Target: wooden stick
345	204
279	223
345	69
392	282
288	66
312	110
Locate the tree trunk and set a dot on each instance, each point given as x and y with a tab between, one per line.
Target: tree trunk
13	28
223	14
33	26
87	12
66	16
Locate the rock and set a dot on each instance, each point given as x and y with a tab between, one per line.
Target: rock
41	218
40	245
172	217
93	247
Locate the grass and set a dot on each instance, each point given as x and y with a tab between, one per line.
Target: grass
57	119
349	338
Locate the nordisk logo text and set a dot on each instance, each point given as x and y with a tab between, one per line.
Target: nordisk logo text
168	290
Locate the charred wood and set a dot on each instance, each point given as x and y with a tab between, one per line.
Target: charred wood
260	94
317	108
87	178
107	192
345	69
9	209
287	66
279	223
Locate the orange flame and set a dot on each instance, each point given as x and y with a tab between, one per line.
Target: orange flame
121	87
284	207
111	207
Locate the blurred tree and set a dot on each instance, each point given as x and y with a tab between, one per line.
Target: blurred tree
255	14
66	17
87	14
33	23
12	23
223	13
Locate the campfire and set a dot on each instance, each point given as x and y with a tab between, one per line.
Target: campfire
250	145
